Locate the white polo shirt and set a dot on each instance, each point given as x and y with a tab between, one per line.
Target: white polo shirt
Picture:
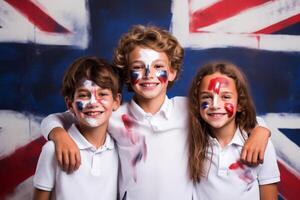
157	144
227	179
96	177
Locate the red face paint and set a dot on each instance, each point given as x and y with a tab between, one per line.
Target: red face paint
229	108
216	83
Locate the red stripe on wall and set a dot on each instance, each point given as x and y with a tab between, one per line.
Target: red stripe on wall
280	25
17	167
220	11
289	184
37	16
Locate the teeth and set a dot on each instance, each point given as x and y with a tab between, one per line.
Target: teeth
93	113
148	84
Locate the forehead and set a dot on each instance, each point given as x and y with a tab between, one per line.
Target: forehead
88	84
211	79
146	55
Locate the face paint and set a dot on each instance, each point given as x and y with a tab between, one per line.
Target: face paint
216	83
229	108
204	105
135	76
147	70
92	87
162	76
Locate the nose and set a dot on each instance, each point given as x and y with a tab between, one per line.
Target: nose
149	71
216	101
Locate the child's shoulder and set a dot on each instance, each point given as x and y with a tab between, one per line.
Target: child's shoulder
179	101
49	147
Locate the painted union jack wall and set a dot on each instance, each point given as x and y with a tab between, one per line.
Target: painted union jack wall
40	38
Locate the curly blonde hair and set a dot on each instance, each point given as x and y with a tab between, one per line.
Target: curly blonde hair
151	37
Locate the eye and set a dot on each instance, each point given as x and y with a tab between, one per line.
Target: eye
137	67
83	95
159	66
205	97
226	96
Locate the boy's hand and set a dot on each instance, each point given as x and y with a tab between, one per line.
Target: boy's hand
255	146
67	152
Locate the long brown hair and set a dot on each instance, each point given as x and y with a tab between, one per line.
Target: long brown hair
199	129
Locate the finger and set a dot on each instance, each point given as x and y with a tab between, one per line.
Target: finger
72	162
249	157
65	161
59	157
254	158
78	160
243	155
261	156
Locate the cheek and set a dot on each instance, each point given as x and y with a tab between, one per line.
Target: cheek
162	76
204	105
229	108
135	77
80	105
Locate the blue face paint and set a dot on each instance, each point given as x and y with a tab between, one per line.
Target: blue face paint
204	105
162	76
147	70
79	105
134	77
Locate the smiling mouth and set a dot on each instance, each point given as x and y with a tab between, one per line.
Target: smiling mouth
216	115
93	113
148	84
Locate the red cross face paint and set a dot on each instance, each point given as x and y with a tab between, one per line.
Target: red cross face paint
216	83
92	104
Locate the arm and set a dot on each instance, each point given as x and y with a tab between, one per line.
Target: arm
268	192
53	128
41	194
255	146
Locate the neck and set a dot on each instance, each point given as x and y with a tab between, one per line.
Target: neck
225	134
95	135
150	105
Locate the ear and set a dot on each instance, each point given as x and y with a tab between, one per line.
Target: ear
172	74
69	104
117	102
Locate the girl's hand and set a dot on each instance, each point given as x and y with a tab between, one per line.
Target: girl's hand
255	146
67	152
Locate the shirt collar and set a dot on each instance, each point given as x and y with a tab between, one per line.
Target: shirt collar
82	142
237	139
138	113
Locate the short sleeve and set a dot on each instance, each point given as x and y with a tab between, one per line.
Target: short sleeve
269	172
63	120
44	177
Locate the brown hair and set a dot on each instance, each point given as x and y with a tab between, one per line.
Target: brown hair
91	68
199	129
151	37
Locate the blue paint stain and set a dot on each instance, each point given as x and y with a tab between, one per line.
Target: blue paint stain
204	105
79	105
147	70
134	77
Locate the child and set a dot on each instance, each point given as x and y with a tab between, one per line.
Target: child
222	114
90	87
150	130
